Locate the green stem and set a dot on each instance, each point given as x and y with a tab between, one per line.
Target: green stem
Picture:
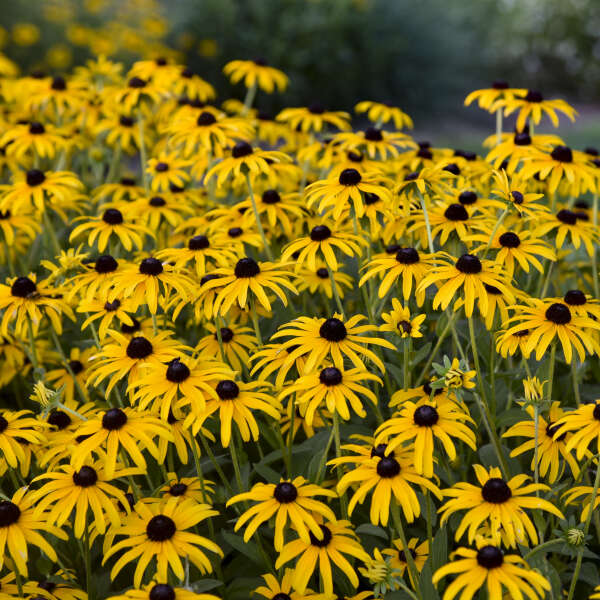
336	296
536	468
143	152
594	253
586	528
114	164
338	454
11	268
218	324
80	390
575	383
543	547
481	401
321	470
406	361
498	126
412	567
254	318
34	359
496	227
427	223
216	465
259	226
551	370
19	582
88	562
236	464
290	440
439	342
249	99
51	233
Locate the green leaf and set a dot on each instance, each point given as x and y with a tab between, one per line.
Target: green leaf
204	585
439	552
368	529
270	475
248	548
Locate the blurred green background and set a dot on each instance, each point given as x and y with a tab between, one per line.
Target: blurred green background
423	55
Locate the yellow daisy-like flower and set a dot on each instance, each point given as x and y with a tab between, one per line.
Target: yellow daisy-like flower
320	281
83	490
274	588
256	73
185	488
547	323
31	139
486	97
514	192
532	105
321	243
316	339
551	446
313	118
19	527
333	388
419	552
584	424
381	112
158	531
385	475
16	428
291	501
26	301
498	502
337	539
167	169
421	424
111	224
235	404
119	430
469	273
407	264
399	321
245	159
348	187
567	224
247	282
238	344
162	591
489	566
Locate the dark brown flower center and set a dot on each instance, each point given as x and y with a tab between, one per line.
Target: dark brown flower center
85	477
333	330
246	267
490	557
285	492
388	467
139	347
9	513
114	419
160	528
426	416
330	376
469	264
23	287
496	491
228	389
327	536
558	313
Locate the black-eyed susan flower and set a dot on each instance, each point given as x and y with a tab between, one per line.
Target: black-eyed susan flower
106	312
314	118
316	339
274	588
127	356
551	446
406	264
27	301
561	164
19	528
507	343
159	531
582	494
337	540
321	244
38	190
382	112
390	477
180	382
376	143
13	224
320	281
584	424
551	322
26	140
144	282
333	389
567	226
185	488
75	370
237	341
166	170
399	321
256	73
84	490
95	280
486	97
288	500
419	552
248	281
469	273
488	565
236	403
531	106
117	431
137	93
499	503
162	591
514	248
272	359
421	424
244	160
514	192
17	427
347	188
110	227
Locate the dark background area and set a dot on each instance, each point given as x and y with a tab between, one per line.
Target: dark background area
422	55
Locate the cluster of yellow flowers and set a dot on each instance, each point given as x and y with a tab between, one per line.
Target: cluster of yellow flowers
215	320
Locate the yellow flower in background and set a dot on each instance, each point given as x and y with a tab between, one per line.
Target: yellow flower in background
25	34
